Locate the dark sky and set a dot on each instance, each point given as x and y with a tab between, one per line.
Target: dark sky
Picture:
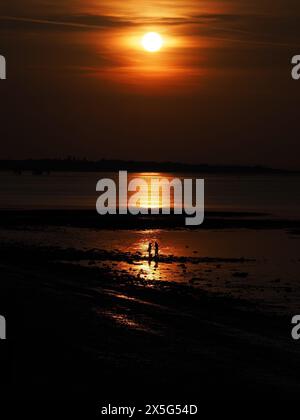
219	91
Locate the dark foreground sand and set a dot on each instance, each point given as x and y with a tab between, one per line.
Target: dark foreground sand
90	219
77	332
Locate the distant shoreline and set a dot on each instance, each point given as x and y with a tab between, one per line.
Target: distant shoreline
42	166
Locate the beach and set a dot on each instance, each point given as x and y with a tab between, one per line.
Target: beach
91	315
85	323
245	255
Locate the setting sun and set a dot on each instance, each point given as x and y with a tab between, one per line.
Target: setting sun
152	42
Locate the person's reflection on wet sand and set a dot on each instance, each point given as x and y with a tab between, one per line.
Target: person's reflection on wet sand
150	252
156	247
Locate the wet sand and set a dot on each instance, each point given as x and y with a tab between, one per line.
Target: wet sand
81	332
90	219
78	329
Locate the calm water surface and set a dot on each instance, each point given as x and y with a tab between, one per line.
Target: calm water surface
277	195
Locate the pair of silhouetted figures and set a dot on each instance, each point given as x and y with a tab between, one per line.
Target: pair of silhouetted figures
156	251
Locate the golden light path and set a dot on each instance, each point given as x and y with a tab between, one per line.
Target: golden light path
150	199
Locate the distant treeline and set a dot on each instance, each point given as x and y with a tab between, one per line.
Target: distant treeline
41	166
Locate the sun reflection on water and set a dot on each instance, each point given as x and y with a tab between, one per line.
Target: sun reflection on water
152	198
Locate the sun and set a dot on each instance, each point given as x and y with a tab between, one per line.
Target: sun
152	42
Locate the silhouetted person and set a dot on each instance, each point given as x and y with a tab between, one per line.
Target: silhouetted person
150	251
156	247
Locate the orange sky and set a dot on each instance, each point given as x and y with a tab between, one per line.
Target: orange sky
220	86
